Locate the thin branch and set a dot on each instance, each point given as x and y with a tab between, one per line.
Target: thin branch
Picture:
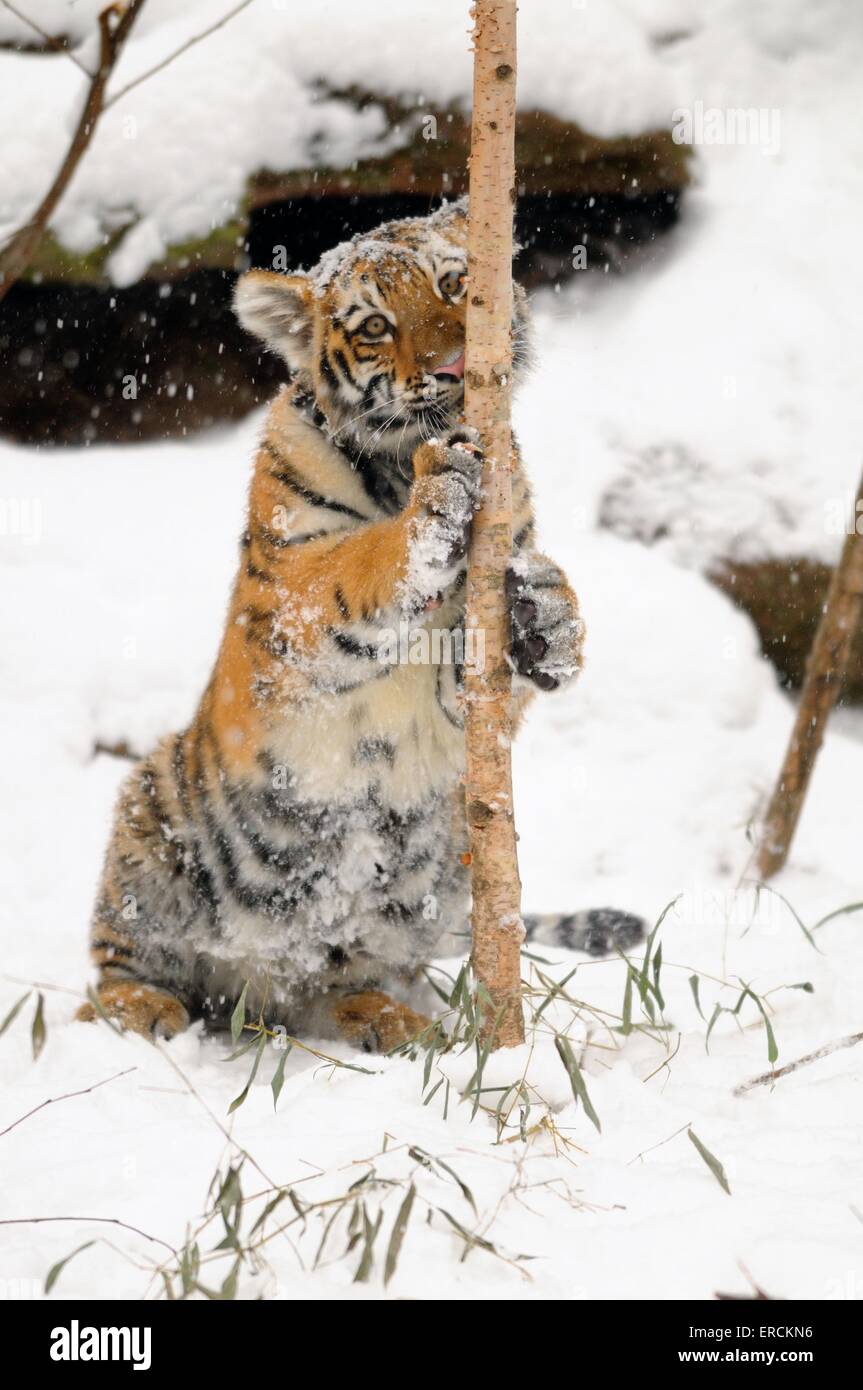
103	1220
115	22
184	48
70	1095
770	1076
825	668
48	38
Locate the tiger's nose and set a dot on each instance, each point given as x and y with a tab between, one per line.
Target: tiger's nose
452	370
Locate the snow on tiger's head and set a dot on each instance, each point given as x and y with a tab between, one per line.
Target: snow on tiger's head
377	327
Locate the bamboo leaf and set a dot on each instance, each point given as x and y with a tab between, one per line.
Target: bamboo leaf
238	1100
397	1234
243	1048
370	1235
838	912
229	1199
37	1032
772	1048
579	1089
278	1080
14	1012
711	1160
238	1017
718	1009
55	1270
626	1026
693	985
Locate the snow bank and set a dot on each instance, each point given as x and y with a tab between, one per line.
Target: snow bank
737	429
175	154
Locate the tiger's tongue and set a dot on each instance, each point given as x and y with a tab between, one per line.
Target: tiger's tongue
454	367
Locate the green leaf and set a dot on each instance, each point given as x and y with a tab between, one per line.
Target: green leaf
238	1017
693	985
579	1089
278	1080
772	1048
657	968
718	1009
244	1047
766	888
838	912
430	1162
229	1286
228	1291
327	1230
55	1270
13	1013
37	1032
711	1160
370	1235
268	1209
229	1199
553	988
433	1092
626	1026
468	1236
397	1234
238	1100
190	1263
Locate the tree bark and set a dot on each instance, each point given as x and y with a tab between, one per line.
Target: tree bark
824	671
115	23
496	920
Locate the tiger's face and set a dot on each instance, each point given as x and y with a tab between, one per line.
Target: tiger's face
377	329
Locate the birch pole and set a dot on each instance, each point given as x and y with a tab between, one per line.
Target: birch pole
497	931
825	668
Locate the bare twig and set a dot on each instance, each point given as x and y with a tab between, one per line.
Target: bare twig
190	43
70	1095
115	22
825	669
102	1220
770	1076
48	38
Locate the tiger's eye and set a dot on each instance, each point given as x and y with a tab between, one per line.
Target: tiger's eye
375	326
450	284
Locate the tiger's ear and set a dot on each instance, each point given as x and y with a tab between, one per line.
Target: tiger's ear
279	309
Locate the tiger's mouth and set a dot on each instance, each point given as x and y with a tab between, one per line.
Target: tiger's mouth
420	410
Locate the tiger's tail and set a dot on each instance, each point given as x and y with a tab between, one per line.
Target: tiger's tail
598	931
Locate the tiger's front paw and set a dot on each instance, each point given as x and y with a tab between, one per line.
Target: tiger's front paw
446	494
547	628
141	1008
374	1022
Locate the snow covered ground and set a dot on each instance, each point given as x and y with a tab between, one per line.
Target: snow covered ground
633	789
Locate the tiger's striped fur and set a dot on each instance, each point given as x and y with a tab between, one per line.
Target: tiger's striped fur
306	831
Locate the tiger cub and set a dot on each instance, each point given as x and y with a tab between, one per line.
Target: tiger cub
306	832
